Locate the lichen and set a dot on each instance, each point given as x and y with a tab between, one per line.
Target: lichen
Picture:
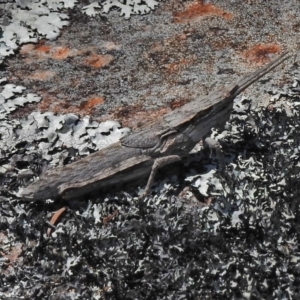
28	21
127	8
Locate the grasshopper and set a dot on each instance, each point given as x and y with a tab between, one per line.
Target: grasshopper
144	151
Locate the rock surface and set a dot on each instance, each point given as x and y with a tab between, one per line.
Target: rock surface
206	231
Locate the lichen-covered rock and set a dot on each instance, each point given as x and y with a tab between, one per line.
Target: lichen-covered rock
242	244
126	7
28	21
231	233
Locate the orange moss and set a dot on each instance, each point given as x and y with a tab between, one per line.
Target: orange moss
60	53
50	103
176	66
199	9
43	75
42	52
98	61
43	48
259	54
90	103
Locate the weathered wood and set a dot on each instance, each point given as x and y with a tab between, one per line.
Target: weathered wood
142	152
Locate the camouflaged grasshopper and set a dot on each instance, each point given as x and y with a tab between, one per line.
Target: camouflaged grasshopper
142	152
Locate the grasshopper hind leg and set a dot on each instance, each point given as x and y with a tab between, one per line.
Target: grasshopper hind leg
158	163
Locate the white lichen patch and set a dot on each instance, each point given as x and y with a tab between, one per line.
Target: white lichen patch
50	133
12	97
29	21
126	7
